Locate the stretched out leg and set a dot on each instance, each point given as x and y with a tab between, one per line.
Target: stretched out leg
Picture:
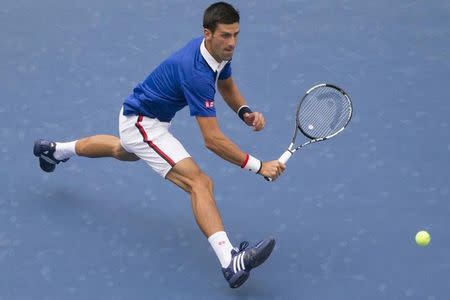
187	175
52	153
236	264
103	146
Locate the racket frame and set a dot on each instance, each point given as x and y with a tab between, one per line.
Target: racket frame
292	148
312	140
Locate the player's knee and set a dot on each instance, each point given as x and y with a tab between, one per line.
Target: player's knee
201	181
121	154
117	151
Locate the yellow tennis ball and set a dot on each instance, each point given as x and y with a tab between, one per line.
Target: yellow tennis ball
423	238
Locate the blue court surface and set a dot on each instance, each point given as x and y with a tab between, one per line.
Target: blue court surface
344	213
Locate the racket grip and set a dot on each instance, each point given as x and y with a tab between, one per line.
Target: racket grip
285	156
283	159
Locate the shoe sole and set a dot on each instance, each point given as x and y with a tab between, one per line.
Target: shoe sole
238	279
259	255
262	252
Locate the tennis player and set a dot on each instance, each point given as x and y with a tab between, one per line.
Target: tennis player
187	78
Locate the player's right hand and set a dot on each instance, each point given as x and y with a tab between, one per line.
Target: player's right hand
272	169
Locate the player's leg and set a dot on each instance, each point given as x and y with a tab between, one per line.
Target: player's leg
52	153
236	263
187	175
103	146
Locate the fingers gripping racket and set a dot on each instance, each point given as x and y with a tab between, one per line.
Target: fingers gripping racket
323	112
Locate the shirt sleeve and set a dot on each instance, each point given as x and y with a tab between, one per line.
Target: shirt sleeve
199	94
226	72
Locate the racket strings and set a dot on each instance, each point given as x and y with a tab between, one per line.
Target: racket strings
323	118
323	112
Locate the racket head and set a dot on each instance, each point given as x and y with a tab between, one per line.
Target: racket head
324	111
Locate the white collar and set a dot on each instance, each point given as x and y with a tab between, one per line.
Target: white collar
212	62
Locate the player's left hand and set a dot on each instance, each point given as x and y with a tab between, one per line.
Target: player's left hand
255	119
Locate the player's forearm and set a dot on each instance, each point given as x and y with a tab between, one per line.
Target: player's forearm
225	148
233	97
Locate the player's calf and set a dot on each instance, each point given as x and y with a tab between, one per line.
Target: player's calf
103	146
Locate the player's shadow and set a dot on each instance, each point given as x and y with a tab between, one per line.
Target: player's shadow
149	227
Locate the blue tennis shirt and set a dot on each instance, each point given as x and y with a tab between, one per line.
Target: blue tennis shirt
187	77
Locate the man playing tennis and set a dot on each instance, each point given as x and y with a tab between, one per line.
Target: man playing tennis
188	77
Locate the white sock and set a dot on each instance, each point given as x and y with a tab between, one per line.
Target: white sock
221	244
65	150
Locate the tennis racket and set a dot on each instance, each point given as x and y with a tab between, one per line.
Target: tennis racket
323	112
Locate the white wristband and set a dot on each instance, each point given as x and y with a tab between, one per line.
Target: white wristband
252	164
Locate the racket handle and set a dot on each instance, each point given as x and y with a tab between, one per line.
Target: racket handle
283	159
285	156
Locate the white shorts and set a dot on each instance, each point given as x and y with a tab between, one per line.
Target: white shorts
151	141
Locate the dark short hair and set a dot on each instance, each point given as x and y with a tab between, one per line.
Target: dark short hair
219	12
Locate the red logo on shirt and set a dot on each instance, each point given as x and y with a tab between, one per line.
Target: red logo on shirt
209	104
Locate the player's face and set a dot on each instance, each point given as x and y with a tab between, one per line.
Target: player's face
223	41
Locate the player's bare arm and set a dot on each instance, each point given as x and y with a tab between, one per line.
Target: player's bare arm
220	144
232	96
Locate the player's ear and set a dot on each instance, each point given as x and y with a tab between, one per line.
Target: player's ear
207	33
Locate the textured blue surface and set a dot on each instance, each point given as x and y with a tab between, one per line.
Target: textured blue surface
344	213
